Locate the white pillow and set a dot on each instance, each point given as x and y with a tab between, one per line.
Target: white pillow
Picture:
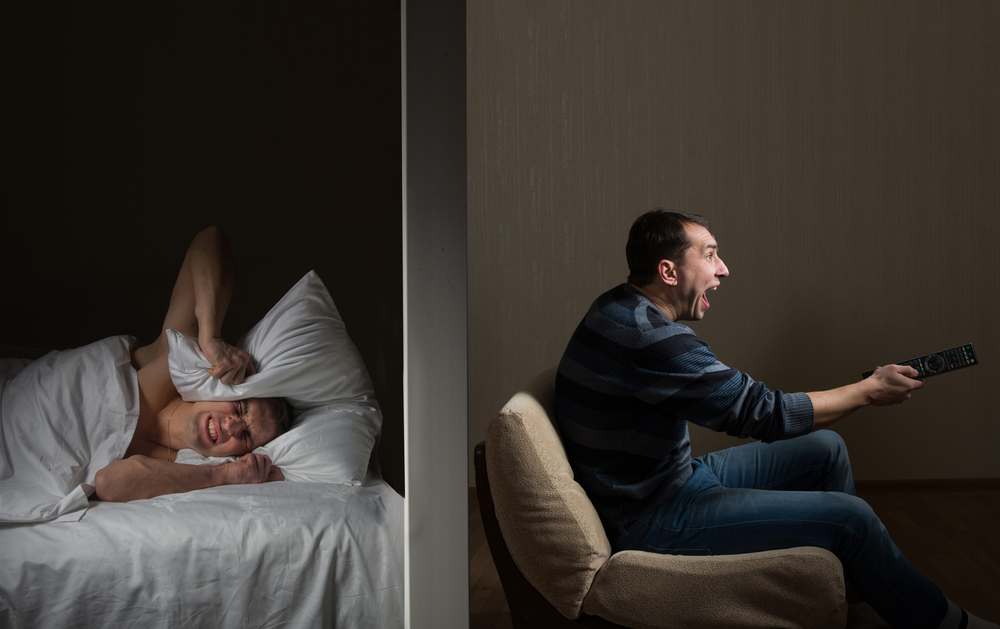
304	355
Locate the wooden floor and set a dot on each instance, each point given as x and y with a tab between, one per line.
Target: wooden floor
952	535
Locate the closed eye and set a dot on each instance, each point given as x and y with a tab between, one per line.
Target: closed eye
247	435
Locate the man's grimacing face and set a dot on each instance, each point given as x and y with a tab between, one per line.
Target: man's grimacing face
229	428
701	271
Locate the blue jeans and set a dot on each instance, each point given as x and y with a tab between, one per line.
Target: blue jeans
791	493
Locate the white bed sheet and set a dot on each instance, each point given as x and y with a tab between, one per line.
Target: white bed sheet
63	417
273	555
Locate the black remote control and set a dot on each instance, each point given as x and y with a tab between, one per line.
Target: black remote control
941	362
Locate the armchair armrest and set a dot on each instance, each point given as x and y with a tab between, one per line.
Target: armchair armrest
798	587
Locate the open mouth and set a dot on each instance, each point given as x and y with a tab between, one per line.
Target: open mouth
704	297
212	433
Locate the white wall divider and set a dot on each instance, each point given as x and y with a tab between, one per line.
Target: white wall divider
435	307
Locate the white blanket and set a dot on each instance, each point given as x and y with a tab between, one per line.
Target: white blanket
62	418
272	555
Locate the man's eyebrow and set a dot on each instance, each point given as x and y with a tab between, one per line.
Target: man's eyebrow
712	246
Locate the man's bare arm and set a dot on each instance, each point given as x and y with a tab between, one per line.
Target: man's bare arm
198	306
140	477
892	384
213	274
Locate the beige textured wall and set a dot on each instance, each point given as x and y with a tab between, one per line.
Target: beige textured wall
847	154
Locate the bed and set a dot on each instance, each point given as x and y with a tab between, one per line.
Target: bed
322	548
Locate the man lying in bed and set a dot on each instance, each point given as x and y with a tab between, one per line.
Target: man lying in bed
167	424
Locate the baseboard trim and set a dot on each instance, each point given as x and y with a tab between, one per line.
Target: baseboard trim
929	484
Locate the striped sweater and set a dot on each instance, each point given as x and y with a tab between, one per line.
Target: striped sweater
626	388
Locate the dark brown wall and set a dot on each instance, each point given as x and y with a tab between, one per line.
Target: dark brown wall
128	129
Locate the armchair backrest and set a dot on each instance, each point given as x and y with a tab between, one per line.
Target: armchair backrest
551	528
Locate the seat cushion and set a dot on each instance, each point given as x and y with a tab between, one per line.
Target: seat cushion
551	528
795	587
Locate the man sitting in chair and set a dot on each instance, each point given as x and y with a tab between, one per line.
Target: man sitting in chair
631	379
166	423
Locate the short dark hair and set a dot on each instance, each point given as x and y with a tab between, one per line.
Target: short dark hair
277	408
657	235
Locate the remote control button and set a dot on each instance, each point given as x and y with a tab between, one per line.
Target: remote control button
935	363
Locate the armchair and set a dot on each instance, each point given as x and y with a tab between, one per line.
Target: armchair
557	569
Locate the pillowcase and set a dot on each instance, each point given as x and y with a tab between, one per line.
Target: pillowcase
304	355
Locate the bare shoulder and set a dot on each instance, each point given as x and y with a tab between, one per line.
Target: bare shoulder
156	389
142	356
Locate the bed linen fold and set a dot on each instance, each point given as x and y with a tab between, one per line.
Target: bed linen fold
63	417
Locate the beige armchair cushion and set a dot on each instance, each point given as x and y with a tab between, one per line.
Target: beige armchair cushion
797	587
551	528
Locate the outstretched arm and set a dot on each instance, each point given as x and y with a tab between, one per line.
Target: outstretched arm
892	384
139	477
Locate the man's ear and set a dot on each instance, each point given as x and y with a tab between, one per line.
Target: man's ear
667	271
